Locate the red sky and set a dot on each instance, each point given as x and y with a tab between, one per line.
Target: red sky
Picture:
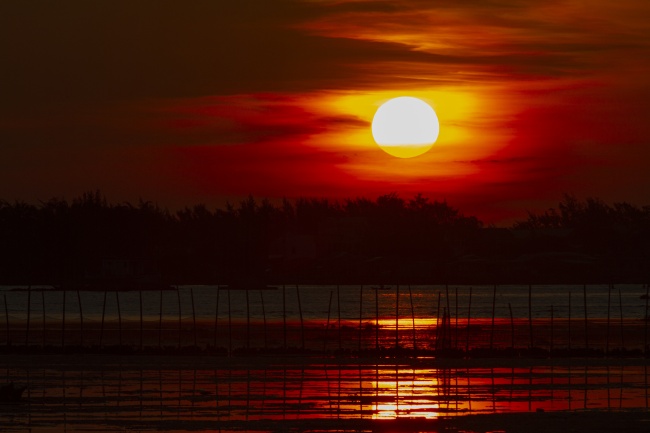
206	101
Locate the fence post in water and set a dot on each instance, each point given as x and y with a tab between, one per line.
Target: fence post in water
81	318
584	296
229	323
415	346
216	317
512	326
63	322
101	328
302	325
645	329
338	303
194	315
569	330
178	301
29	306
141	321
7	319
360	314
376	318
327	325
494	301
609	303
530	315
284	315
620	303
397	317
263	316
160	314
552	334
119	316
43	305
248	321
456	313
469	318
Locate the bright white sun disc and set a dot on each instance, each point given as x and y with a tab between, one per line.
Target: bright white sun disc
405	127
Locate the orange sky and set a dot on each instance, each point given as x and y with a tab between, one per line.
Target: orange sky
204	101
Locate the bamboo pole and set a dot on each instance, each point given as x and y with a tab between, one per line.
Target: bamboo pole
494	301
178	301
512	326
263	316
63	322
229	323
360	315
456	314
338	303
327	325
415	346
81	318
196	344
584	297
216	317
284	315
101	328
609	303
160	315
469	318
645	329
29	307
302	324
7	327
376	318
530	316
43	307
141	322
552	333
397	317
620	303
119	316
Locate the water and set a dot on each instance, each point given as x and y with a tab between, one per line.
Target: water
315	302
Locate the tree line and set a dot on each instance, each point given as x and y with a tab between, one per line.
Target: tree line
387	239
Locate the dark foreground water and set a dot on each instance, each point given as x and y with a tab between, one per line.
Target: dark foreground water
207	394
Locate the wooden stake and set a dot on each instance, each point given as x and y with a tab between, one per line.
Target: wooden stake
178	302
360	315
194	315
43	306
584	296
530	315
263	316
415	346
327	325
7	328
119	316
141	322
63	323
397	317
469	317
645	332
552	333
284	315
494	301
456	314
29	307
216	317
160	314
609	303
512	326
620	303
101	329
229	323
81	318
338	303
302	325
376	319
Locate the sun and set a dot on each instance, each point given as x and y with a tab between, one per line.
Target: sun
405	127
